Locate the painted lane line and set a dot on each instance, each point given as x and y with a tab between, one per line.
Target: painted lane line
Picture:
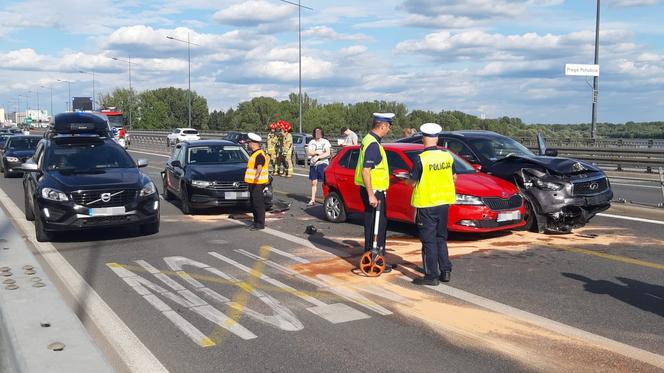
123	342
641	220
554	326
290	256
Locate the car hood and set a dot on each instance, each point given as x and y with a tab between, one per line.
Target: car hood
217	172
20	153
483	185
129	178
556	165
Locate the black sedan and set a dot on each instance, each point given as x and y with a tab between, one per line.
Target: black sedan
208	173
16	150
561	193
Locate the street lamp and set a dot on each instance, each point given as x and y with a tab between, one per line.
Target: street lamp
51	88
593	128
69	92
189	43
128	61
93	86
299	34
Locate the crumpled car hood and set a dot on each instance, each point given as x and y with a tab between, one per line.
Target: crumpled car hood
556	165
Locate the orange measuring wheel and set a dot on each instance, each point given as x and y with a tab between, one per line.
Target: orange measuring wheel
372	266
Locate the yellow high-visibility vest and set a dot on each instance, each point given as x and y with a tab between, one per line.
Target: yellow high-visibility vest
436	185
380	174
250	174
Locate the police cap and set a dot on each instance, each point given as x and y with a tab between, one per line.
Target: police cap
430	129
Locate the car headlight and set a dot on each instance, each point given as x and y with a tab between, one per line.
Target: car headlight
148	189
547	185
200	183
54	195
464	199
12	159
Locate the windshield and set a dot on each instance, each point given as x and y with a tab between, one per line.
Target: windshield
498	148
91	156
459	166
18	143
116	120
216	154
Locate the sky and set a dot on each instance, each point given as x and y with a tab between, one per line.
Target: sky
492	57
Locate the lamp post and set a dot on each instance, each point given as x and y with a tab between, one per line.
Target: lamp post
189	43
593	128
51	88
93	86
299	36
69	92
128	61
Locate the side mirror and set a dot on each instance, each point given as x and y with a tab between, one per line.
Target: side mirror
401	174
29	167
551	152
142	162
176	164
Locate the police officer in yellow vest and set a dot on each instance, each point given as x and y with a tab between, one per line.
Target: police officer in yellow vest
372	174
256	176
434	191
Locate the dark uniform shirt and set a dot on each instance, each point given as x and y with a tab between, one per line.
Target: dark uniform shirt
260	161
372	155
416	174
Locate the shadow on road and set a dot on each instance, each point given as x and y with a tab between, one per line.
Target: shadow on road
642	295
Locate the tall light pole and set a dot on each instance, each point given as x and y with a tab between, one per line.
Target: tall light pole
69	92
94	98
299	37
51	88
128	61
593	128
189	43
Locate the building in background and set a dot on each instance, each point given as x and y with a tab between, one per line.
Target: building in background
3	118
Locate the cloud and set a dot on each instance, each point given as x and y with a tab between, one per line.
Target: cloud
253	13
635	3
328	33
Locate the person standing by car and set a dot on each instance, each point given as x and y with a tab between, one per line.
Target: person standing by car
434	191
319	150
287	149
350	137
256	176
272	142
372	174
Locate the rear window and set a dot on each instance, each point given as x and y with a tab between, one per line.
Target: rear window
190	132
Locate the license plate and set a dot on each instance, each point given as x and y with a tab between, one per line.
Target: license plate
107	211
236	195
507	216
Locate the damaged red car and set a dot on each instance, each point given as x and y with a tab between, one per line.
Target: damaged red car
484	203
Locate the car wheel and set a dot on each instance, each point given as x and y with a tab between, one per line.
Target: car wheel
42	234
151	228
168	196
297	159
531	220
335	211
29	213
186	204
6	174
168	142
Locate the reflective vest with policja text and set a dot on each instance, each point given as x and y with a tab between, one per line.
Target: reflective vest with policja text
436	184
380	174
250	174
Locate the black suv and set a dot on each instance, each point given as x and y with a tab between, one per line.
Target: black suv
16	150
561	193
79	177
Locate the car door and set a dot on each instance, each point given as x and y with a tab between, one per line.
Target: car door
30	179
345	176
175	174
399	193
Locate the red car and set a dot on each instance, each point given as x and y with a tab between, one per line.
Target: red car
484	203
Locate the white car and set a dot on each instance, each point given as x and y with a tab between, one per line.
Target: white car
182	134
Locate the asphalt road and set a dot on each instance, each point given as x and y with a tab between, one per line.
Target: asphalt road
313	313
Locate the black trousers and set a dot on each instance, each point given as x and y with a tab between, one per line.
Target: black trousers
370	218
257	203
432	226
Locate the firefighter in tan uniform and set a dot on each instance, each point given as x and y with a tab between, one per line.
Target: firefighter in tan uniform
272	144
287	149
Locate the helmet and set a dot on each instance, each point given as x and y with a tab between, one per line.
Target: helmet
273	126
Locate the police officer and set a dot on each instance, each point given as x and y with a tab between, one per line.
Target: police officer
256	176
272	142
372	174
434	191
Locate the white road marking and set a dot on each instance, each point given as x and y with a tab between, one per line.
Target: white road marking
555	326
335	313
133	353
289	256
631	218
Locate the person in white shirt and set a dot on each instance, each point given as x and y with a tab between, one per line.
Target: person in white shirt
319	151
350	137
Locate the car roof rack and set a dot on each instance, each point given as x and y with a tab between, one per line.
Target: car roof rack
79	123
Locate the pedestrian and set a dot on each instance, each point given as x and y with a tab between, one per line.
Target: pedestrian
287	148
256	176
272	143
433	179
350	137
319	150
372	174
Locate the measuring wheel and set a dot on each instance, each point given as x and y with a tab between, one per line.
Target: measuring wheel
371	264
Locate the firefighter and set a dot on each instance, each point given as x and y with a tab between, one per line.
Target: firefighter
434	191
256	176
272	143
372	174
287	149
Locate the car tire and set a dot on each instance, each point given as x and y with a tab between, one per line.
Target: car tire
530	218
29	213
168	142
151	228
6	174
334	208
168	196
42	234
185	203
